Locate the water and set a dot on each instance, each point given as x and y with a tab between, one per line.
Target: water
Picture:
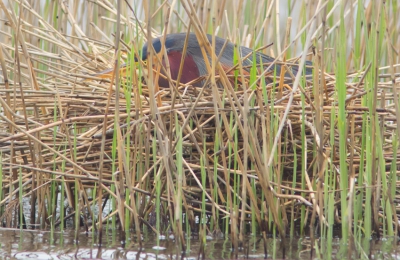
16	244
34	244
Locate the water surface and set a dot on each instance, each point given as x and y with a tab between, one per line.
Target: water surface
25	244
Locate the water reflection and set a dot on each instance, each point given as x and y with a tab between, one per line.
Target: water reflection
16	244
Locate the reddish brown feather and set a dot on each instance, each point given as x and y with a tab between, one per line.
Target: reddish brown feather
189	73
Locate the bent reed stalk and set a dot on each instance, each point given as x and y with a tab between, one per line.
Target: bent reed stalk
237	156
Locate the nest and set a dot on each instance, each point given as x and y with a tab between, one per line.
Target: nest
79	130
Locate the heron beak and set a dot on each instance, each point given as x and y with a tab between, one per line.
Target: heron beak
107	74
125	68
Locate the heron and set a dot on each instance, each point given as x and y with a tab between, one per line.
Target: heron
194	65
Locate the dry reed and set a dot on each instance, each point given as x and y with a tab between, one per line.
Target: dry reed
58	120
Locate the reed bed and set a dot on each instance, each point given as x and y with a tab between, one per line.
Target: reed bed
314	156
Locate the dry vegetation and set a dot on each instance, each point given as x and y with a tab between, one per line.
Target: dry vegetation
317	151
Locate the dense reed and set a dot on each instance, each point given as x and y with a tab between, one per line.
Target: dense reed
313	157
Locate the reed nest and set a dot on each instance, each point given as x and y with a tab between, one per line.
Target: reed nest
62	122
267	149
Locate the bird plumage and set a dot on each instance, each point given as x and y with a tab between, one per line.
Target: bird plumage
194	65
